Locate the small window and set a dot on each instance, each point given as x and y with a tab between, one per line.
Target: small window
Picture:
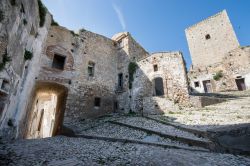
196	84
5	85
155	67
120	81
91	68
58	62
208	37
97	102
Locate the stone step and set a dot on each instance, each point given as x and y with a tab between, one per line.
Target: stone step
112	130
199	133
189	141
139	142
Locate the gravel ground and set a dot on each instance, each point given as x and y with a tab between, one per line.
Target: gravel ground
96	152
235	110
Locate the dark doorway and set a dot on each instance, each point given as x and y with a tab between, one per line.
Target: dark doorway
207	86
241	84
159	90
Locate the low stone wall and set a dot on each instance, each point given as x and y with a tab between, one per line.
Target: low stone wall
202	101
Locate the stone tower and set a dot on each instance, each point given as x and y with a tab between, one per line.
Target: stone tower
210	39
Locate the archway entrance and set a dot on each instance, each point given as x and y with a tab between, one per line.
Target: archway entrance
159	90
47	110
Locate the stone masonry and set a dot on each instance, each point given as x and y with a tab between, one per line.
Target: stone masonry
74	76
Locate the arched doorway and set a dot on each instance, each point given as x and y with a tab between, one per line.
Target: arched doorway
159	89
47	110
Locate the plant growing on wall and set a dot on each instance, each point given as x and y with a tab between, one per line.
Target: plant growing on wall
5	60
1	16
131	70
218	76
13	2
42	13
28	55
54	23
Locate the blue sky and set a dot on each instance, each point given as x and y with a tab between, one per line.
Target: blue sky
158	25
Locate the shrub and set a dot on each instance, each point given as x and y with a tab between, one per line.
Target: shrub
218	76
131	70
1	16
28	55
5	60
42	13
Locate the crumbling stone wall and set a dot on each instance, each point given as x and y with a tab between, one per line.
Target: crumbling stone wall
171	68
217	58
210	39
235	65
21	31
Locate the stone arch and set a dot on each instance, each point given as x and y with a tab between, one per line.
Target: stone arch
46	111
53	50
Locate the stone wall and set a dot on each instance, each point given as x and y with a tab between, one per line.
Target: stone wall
19	31
235	65
211	39
79	51
171	68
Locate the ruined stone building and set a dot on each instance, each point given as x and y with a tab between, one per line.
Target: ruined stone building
219	63
52	77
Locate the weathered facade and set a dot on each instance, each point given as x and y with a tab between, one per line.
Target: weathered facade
219	62
57	77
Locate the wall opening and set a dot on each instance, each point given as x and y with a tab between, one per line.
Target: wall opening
58	62
159	89
91	69
155	67
196	84
97	102
240	84
47	111
207	37
207	86
120	81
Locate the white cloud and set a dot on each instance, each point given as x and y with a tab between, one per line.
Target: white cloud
120	16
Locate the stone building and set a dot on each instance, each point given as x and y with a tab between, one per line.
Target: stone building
57	78
219	63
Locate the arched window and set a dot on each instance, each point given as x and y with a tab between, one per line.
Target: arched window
159	90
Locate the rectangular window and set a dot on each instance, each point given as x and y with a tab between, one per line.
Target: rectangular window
155	68
58	62
97	102
91	68
120	81
196	84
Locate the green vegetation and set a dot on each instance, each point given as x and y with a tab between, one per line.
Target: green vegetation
218	76
25	22
54	23
131	71
1	16
42	13
28	55
5	60
13	2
